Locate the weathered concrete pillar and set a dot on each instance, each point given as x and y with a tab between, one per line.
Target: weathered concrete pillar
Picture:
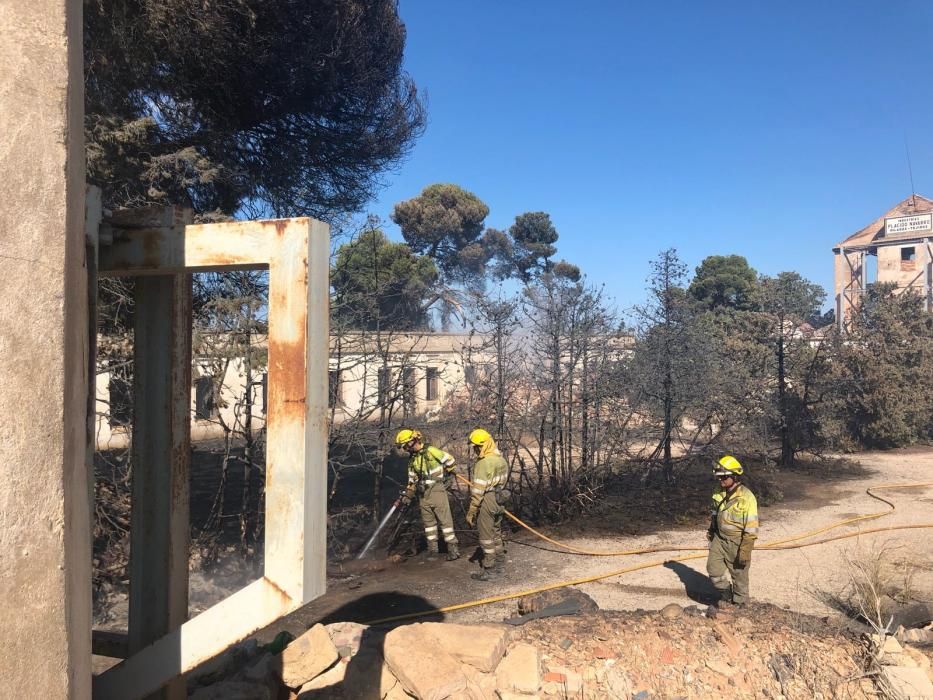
45	539
161	456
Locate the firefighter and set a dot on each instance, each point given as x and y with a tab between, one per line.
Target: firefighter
487	496
428	471
732	533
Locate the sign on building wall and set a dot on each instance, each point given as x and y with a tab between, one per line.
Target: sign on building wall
908	224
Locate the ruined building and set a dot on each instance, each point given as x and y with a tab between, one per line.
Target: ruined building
901	240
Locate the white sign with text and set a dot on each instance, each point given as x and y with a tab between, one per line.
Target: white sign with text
908	224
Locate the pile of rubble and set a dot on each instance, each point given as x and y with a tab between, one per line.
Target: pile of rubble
759	652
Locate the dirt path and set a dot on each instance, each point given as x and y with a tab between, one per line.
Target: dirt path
801	580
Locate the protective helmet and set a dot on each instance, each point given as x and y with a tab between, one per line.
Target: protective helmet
728	466
479	437
406	435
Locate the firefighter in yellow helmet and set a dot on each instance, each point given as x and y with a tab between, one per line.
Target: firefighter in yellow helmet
428	469
732	533
487	496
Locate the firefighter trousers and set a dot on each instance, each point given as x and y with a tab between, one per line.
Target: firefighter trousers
720	565
435	513
489	524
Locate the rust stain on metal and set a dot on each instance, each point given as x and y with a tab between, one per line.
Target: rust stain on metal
286	599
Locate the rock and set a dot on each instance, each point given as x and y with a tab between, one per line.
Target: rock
480	646
907	683
520	670
347	636
308	656
234	690
571	682
603	653
618	684
720	667
919	658
671	611
565	644
426	670
328	683
367	677
479	683
397	693
539	601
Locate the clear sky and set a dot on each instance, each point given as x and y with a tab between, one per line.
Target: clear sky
770	130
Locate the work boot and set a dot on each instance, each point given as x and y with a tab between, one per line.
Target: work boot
433	551
485	575
453	551
499	566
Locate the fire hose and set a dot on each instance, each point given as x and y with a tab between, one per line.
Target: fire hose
786	543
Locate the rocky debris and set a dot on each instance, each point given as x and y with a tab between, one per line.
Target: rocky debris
919	637
671	611
540	601
307	657
426	671
480	646
906	683
520	670
614	655
327	685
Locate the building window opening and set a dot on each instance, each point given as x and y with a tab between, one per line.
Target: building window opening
408	391
334	386
908	254
205	404
430	378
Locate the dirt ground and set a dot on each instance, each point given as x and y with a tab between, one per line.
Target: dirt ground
802	580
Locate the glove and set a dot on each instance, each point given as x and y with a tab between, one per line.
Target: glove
405	499
745	554
471	517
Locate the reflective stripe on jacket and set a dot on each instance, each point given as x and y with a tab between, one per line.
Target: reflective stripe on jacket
428	465
488	473
735	513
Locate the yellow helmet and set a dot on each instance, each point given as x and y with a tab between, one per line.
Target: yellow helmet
406	435
479	437
728	466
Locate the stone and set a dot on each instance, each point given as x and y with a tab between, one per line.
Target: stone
618	685
667	655
234	690
570	681
479	682
406	651
721	668
332	679
603	653
480	646
671	611
918	657
565	644
397	693
308	656
347	636
520	670
907	683
367	677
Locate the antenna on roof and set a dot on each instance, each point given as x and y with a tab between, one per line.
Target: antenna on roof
910	171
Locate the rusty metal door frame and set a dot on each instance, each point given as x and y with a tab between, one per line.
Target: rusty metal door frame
296	253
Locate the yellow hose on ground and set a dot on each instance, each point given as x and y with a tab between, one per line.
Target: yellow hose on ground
777	545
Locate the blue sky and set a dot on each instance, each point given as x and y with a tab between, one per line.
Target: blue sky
770	130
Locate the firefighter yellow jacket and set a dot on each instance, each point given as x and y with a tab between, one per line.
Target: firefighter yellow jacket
735	514
488	473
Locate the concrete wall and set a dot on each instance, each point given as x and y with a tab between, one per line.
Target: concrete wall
45	576
903	273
